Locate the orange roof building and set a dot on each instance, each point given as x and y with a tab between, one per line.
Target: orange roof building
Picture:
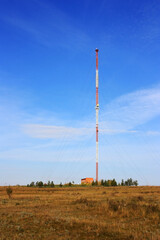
86	180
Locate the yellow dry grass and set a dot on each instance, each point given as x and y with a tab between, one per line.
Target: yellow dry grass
115	213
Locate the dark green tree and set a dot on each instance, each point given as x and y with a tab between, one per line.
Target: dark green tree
135	183
113	182
32	184
40	184
130	182
52	184
122	183
94	183
37	184
102	182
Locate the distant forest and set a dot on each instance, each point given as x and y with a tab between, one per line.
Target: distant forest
106	183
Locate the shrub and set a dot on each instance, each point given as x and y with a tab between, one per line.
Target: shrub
9	192
113	205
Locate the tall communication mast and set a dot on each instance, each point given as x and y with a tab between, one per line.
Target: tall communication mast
97	110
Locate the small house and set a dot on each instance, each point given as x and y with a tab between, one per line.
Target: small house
86	180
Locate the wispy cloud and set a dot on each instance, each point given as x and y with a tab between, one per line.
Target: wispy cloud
57	132
121	116
127	112
153	133
50	28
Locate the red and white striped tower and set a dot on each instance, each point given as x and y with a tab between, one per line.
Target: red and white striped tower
97	109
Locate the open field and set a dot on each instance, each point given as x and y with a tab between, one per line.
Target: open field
119	213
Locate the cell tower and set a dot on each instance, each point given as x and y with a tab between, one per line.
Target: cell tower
97	110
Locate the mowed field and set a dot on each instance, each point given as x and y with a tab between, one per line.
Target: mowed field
80	213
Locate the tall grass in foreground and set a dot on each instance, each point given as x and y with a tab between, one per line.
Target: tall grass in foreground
116	213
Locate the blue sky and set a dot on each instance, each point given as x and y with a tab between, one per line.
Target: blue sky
47	90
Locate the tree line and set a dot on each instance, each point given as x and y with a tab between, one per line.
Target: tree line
113	182
107	183
41	184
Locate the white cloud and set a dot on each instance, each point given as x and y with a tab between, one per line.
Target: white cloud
57	132
122	115
153	133
58	23
131	110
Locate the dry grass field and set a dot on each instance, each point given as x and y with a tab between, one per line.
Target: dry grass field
119	213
